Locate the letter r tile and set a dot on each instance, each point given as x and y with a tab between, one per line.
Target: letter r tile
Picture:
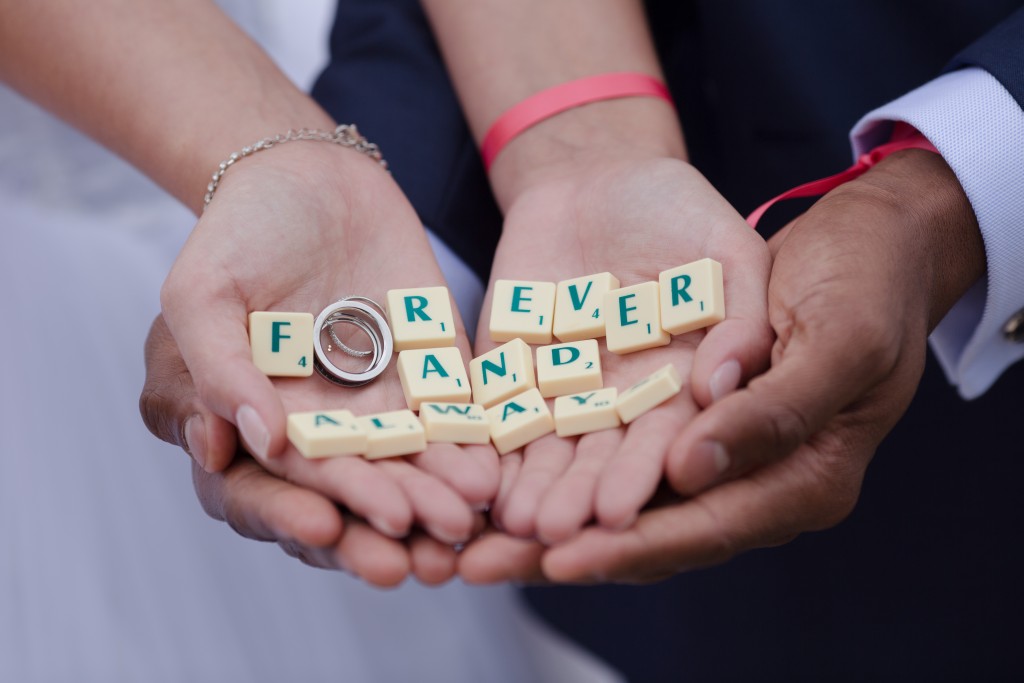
420	318
692	296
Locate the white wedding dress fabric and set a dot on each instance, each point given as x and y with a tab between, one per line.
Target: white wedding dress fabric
109	569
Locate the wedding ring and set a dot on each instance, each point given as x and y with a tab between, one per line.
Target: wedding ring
368	316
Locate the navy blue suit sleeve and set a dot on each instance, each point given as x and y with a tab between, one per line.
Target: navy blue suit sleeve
1001	53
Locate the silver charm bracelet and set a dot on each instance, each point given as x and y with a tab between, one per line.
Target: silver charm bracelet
345	135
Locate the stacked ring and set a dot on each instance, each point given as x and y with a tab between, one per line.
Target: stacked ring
368	316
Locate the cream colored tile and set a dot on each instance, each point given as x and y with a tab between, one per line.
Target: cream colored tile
326	433
282	343
651	391
633	320
421	318
579	306
569	368
519	420
522	310
396	433
502	373
433	375
586	412
692	296
455	423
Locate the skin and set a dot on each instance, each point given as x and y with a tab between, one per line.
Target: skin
844	370
290	229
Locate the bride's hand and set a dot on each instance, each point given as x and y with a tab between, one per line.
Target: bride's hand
296	228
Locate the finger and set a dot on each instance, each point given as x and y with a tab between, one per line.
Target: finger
781	501
171	408
511	464
471	470
496	557
439	509
210	326
739	347
365	488
638	465
432	562
373	557
569	503
260	506
815	377
544	462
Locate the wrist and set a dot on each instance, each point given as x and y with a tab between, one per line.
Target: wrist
633	128
940	231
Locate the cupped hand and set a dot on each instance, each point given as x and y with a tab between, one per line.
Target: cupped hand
633	219
857	283
296	228
264	507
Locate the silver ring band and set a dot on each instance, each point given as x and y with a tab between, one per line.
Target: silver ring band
368	316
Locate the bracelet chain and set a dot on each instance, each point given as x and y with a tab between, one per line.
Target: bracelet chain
346	135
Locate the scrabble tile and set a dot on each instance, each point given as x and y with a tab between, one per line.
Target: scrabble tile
569	368
282	343
389	434
433	375
420	318
326	433
519	420
579	306
455	422
692	296
502	373
649	392
586	412
633	319
522	310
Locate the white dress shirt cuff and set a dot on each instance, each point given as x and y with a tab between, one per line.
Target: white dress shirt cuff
978	128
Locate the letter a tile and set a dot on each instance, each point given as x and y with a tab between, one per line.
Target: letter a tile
433	375
519	420
326	433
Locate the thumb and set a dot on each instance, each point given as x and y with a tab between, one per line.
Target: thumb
813	380
211	329
739	347
171	408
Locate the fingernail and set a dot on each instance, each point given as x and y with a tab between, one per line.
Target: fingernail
443	536
385	527
710	460
253	431
725	379
626	523
195	439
